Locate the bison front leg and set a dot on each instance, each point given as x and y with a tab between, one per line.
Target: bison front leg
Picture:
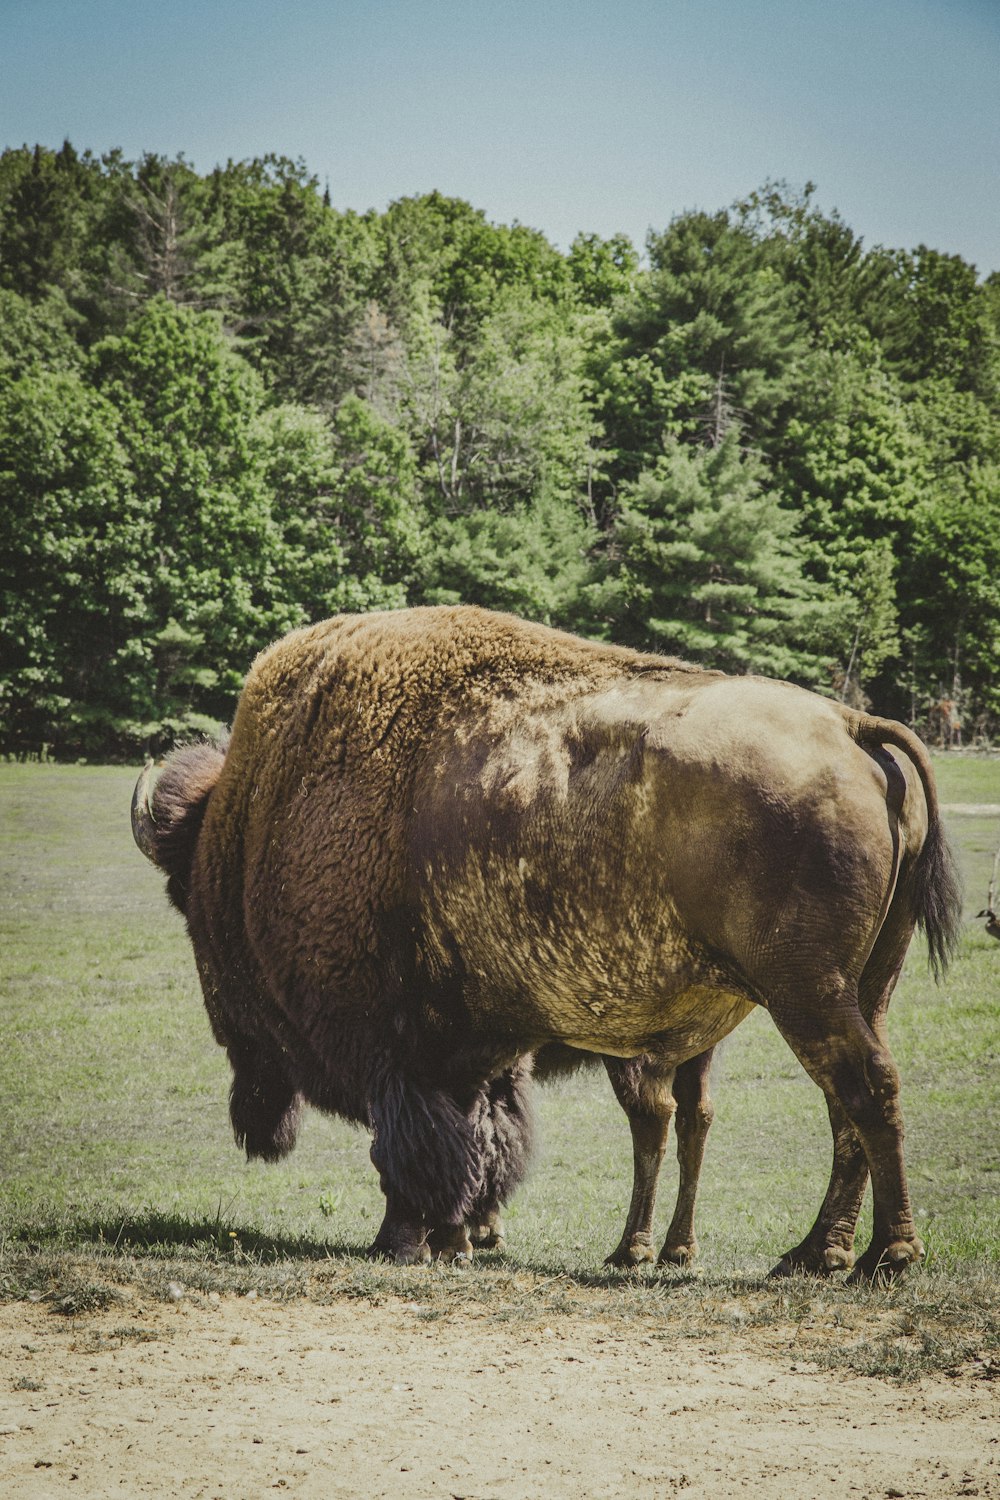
695	1113
402	1235
644	1089
446	1159
505	1131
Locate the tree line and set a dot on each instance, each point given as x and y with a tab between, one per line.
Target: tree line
227	409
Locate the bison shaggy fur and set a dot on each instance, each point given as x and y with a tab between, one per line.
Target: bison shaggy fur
441	839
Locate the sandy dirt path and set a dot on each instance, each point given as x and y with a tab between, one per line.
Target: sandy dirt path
240	1398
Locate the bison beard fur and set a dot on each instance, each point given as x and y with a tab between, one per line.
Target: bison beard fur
264	1109
441	840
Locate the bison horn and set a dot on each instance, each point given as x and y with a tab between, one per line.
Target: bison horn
144	828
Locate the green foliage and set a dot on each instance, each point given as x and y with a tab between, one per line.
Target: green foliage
643	409
716	303
711	565
949	599
514	420
187	408
603	270
160	235
254	410
299	472
74	546
465	262
864	624
849	298
536	560
47	200
956	594
953	328
36	336
853	463
299	276
344	502
376	497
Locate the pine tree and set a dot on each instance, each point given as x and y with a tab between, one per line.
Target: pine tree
536	560
710	566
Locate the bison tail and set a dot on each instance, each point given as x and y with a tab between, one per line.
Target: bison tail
938	898
936	883
167	816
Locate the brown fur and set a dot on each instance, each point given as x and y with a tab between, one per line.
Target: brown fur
180	797
444	838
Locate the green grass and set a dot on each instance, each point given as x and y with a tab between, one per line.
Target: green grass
967	777
117	1163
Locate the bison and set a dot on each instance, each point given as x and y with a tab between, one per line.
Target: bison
441	839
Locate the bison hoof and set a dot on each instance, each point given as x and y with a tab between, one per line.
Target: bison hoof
678	1255
814	1260
412	1255
634	1253
403	1255
453	1257
795	1265
884	1265
488	1236
449	1242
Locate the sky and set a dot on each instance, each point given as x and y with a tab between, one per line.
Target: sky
568	115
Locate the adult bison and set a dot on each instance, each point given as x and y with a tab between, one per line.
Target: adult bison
440	839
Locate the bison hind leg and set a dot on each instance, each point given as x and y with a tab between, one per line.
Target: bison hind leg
265	1110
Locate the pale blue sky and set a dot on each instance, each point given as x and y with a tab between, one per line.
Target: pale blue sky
564	114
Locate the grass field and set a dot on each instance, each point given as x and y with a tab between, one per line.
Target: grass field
117	1163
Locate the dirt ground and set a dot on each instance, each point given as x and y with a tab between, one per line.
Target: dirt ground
240	1398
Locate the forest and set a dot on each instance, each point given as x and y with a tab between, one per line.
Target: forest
228	408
